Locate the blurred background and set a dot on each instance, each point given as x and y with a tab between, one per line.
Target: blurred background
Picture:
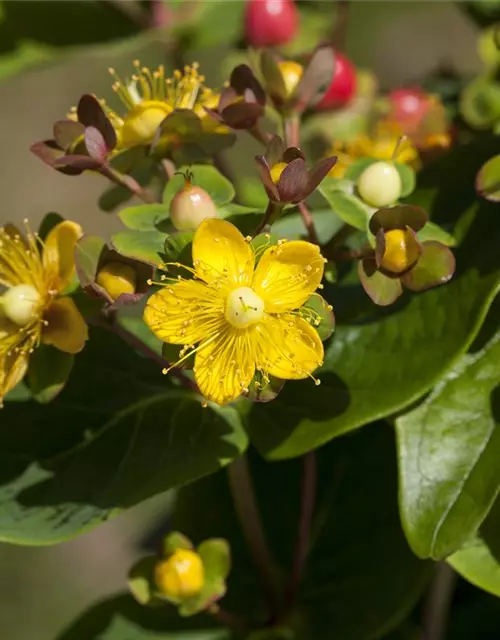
50	54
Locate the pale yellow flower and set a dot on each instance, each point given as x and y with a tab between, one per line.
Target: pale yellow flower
149	97
239	318
32	277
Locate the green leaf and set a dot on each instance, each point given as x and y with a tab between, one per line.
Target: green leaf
432	231
448	452
48	372
145	246
346	206
477	564
48	223
120	618
346	572
88	252
408	179
145	217
205	176
174	541
416	340
117	434
291	226
488	180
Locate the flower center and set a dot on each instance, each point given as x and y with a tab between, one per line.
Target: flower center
20	304
244	308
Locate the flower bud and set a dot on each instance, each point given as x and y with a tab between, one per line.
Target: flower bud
181	576
117	278
190	206
292	74
276	171
401	250
379	185
20	304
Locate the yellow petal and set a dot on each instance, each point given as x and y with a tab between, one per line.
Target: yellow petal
221	254
66	329
289	347
13	367
59	252
225	365
287	275
184	313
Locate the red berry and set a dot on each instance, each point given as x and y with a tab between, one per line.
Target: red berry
342	87
409	106
269	23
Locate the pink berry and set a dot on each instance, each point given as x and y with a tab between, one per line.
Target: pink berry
342	87
409	106
269	23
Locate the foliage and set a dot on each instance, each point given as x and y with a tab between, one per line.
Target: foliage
329	414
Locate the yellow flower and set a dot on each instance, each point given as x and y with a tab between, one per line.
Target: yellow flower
149	97
385	143
240	319
180	576
32	277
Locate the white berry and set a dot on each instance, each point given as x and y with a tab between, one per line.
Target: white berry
379	185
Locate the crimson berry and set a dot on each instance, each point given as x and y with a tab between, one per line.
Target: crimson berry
409	106
342	87
269	23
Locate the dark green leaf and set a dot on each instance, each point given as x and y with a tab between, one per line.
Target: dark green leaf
121	618
48	372
354	587
448	451
117	434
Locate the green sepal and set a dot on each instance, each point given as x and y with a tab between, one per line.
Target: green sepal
381	289
480	102
175	540
49	370
488	180
324	312
141	582
435	266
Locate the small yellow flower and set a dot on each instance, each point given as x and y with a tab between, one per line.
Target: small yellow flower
181	575
386	143
149	97
32	277
240	319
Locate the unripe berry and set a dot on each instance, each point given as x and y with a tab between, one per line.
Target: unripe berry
117	278
269	23
180	576
401	250
379	185
292	74
20	304
190	206
342	86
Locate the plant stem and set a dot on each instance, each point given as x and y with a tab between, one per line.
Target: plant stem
109	322
259	134
240	482
229	620
339	34
129	183
308	500
267	218
437	603
308	221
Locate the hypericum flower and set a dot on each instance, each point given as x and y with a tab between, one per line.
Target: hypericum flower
243	102
284	172
385	143
33	274
240	319
149	97
400	258
180	576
